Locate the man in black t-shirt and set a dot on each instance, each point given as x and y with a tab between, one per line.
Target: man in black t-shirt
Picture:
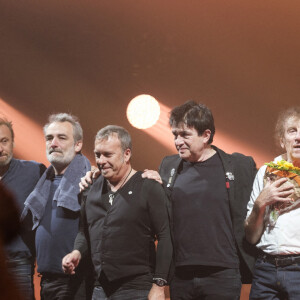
208	191
121	216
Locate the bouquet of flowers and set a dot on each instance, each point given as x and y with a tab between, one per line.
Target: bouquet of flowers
288	170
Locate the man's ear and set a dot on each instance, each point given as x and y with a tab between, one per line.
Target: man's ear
282	143
78	146
127	155
206	135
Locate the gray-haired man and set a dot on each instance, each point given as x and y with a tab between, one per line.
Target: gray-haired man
273	219
55	207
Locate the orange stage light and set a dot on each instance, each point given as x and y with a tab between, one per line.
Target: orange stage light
29	137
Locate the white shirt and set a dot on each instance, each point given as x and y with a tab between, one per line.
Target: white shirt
283	237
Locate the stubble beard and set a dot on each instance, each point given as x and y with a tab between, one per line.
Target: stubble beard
6	161
62	160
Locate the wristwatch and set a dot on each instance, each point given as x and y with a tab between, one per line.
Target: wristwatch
160	282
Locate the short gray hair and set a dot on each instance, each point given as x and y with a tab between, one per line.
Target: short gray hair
123	135
64	117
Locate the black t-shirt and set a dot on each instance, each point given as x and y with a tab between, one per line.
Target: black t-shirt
202	225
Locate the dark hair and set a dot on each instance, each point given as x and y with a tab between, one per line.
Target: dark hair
291	112
123	135
193	115
64	117
8	124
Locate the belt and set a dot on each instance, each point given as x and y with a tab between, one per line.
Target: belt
51	276
14	262
280	260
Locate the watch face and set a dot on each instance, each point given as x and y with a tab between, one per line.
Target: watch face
159	282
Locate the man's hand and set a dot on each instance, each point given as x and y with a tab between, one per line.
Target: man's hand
88	178
279	190
71	261
157	293
152	175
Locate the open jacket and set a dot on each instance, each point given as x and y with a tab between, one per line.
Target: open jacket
239	172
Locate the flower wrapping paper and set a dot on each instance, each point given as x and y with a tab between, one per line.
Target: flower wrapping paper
279	208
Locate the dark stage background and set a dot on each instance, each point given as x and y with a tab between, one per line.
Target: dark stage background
241	58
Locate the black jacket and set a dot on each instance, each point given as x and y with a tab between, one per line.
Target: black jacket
239	172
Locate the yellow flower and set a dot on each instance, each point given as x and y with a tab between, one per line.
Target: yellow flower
284	166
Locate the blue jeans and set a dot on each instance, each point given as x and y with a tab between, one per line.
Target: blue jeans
120	294
209	283
274	283
22	270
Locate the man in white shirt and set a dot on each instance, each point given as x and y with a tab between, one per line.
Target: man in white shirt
277	269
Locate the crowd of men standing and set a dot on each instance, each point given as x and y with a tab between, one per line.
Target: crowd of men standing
200	224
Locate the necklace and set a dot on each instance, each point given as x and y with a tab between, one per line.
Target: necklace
112	194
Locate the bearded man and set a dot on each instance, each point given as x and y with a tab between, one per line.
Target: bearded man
55	208
20	177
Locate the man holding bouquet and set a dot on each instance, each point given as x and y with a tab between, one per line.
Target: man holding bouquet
273	219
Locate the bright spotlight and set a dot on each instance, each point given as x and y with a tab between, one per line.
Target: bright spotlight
143	111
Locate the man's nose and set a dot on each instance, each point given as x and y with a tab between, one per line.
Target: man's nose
54	143
178	141
100	160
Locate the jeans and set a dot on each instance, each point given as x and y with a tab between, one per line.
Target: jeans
209	283
22	270
120	294
59	287
273	283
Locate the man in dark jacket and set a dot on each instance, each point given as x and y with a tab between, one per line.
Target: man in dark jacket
20	177
208	191
122	214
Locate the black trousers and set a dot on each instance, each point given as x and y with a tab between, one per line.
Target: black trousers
22	269
209	283
60	287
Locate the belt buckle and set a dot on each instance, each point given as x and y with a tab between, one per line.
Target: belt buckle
282	262
277	260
